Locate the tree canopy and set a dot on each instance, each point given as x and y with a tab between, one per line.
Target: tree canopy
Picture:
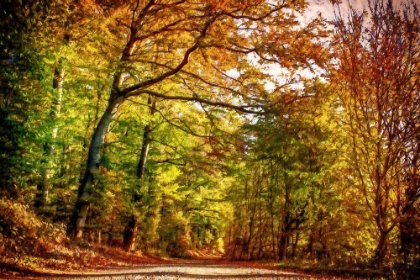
169	126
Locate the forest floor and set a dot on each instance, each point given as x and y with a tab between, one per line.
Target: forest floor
197	268
112	263
32	249
184	270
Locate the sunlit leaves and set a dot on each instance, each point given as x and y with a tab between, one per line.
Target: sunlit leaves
375	52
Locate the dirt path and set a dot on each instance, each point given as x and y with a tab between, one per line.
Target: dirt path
180	271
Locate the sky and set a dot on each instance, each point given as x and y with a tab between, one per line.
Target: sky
326	8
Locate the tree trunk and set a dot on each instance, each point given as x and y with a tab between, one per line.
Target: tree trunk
381	249
295	245
144	152
408	238
78	218
43	186
131	228
130	233
273	237
285	228
284	237
311	244
283	247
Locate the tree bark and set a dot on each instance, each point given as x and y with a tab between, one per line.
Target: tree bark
43	186
381	250
78	218
311	244
284	238
285	228
131	228
130	233
295	245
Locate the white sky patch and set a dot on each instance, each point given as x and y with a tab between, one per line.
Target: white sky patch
232	73
326	8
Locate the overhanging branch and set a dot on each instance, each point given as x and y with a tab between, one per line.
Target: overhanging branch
240	108
133	90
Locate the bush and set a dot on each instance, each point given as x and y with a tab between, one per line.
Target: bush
23	233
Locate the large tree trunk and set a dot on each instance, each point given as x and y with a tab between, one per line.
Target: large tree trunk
78	218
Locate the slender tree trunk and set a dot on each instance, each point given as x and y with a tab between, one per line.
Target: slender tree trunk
311	243
273	237
252	202
131	228
141	167
78	218
285	228
284	238
407	242
43	186
381	250
295	245
283	247
130	232
132	225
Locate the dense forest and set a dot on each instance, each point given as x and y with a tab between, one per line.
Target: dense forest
168	126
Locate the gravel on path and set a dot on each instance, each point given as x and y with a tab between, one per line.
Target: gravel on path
177	271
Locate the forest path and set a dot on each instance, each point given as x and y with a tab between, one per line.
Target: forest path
195	269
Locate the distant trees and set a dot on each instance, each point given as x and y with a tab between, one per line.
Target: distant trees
288	199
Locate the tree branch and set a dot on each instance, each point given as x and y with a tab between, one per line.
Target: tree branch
255	18
132	90
241	108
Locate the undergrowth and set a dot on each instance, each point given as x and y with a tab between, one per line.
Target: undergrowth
27	245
